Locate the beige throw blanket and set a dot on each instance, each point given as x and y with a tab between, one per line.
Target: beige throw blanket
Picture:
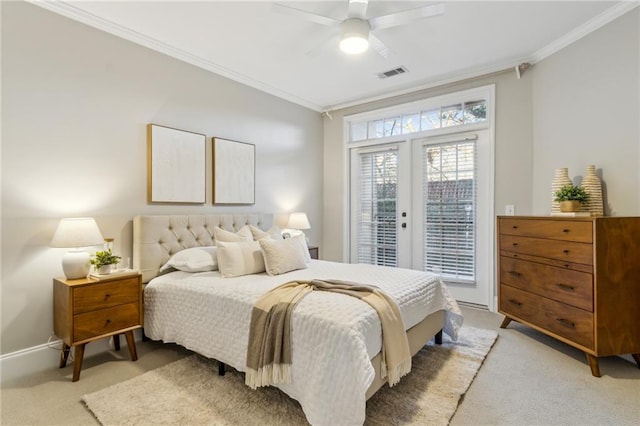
269	348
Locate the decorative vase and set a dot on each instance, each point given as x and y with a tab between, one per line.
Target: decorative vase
592	186
560	179
569	206
104	269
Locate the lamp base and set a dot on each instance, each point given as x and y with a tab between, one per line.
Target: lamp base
75	264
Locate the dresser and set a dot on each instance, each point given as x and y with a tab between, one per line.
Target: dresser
575	279
89	309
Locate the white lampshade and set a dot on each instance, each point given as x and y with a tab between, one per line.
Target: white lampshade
76	233
355	36
298	221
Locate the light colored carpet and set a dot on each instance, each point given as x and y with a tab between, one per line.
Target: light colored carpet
189	391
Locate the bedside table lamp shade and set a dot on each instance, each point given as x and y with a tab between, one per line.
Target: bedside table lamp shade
299	221
76	233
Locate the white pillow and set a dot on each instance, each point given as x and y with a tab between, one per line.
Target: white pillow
243	234
274	232
239	258
302	241
195	259
282	256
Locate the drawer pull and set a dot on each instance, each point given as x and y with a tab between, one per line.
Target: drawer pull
566	287
565	231
515	302
565	251
515	244
107	322
516	273
106	296
566	322
515	226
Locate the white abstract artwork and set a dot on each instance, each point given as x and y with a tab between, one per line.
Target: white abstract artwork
177	166
233	172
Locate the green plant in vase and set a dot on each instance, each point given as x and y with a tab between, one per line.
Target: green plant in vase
571	197
103	260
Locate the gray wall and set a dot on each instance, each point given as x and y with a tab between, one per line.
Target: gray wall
513	159
75	104
586	111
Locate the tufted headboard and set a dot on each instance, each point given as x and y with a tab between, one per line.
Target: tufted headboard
157	238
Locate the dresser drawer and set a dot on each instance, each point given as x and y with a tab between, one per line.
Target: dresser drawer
568	251
564	285
571	323
103	321
105	294
578	231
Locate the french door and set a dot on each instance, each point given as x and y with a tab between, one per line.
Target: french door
426	204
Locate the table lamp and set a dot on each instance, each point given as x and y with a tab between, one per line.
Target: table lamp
299	221
76	233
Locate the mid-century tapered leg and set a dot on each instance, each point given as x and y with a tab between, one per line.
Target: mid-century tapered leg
116	342
593	363
77	362
132	345
505	322
64	355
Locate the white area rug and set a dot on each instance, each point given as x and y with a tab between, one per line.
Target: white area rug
190	392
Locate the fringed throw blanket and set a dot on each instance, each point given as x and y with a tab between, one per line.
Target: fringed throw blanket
269	348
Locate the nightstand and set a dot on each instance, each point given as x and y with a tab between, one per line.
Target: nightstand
89	309
313	252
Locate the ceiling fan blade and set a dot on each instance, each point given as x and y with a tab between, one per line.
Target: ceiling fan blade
357	8
318	19
377	45
401	18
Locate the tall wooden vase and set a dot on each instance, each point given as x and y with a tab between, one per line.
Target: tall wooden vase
593	186
560	179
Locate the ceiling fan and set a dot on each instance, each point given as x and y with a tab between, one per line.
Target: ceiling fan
356	31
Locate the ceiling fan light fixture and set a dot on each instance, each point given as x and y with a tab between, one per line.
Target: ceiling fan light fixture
355	36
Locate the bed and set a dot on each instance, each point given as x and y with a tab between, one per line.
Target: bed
336	339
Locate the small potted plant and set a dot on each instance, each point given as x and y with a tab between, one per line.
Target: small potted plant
103	260
571	197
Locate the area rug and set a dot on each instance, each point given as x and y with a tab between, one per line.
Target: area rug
190	392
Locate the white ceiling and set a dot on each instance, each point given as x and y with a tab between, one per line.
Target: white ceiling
290	57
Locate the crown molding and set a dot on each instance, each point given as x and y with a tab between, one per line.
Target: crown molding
588	27
72	12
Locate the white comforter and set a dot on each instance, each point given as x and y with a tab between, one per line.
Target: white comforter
333	336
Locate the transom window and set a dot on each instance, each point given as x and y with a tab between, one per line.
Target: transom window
419	121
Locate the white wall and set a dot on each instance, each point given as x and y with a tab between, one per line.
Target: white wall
75	105
586	111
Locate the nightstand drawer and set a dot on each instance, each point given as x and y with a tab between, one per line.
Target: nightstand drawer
554	229
104	321
105	294
568	251
564	285
564	320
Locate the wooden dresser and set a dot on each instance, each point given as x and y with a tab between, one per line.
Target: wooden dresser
89	309
575	279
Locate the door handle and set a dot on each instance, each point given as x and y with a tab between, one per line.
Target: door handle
404	225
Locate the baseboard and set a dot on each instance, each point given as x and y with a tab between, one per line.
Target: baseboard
35	359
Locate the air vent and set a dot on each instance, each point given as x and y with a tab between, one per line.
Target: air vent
393	72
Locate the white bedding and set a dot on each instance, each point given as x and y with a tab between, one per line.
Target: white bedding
333	336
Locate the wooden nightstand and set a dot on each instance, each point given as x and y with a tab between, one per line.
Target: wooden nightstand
313	252
89	309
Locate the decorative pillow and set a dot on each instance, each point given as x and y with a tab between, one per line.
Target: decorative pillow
274	232
243	234
282	256
195	259
302	241
239	258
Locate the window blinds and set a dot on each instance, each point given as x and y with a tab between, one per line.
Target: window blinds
449	185
377	211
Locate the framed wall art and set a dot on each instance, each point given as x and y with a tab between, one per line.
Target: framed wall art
233	172
176	166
